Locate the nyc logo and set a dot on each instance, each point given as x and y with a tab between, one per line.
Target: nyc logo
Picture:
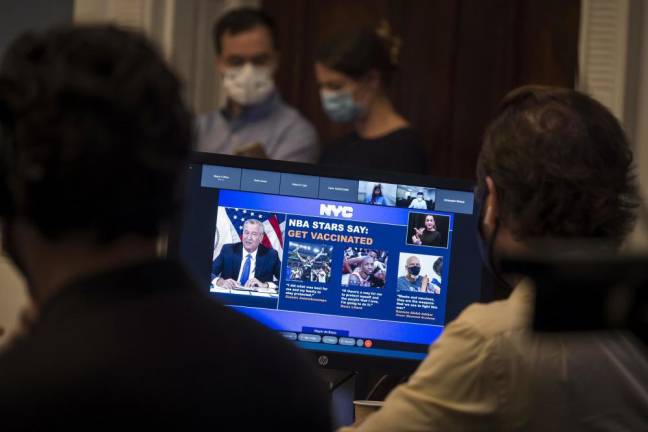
335	210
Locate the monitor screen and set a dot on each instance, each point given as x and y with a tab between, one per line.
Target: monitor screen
340	261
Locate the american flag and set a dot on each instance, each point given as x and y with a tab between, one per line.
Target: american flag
229	227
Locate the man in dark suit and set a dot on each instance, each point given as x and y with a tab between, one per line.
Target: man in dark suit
248	263
94	137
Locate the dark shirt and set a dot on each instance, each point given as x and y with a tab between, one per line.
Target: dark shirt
431	238
143	348
399	151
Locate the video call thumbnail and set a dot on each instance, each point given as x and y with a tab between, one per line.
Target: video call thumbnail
420	273
428	230
308	262
415	197
364	267
377	193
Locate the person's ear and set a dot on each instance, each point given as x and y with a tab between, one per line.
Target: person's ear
490	207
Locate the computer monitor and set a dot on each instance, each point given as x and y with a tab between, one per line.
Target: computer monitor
353	266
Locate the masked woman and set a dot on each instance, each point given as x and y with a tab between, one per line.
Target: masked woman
354	71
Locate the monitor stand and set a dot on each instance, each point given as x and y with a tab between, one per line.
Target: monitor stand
347	386
342	387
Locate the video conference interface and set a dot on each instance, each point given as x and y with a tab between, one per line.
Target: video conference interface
353	266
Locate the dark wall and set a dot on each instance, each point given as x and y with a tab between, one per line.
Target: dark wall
17	16
458	58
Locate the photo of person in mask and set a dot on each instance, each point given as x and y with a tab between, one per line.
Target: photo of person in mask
354	71
255	121
414	280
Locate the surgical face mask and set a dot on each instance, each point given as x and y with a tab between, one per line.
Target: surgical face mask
340	106
248	84
414	270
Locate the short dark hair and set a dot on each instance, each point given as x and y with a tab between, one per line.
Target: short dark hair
241	20
561	165
438	265
100	132
357	52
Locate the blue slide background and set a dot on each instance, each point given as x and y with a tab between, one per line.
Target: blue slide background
388	227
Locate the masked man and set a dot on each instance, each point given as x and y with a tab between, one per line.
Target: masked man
255	120
554	164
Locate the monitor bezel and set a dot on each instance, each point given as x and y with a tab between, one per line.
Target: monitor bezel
322	358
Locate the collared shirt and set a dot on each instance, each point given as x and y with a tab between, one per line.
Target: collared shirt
488	372
280	129
252	264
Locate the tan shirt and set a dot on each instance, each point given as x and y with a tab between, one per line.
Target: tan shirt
488	372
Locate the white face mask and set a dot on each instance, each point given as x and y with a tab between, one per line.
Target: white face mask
247	84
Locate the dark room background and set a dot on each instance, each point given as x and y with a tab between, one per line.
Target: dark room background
458	59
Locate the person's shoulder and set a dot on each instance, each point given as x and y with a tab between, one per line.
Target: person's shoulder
285	110
291	117
268	252
264	250
206	121
408	140
405	135
496	318
231	247
338	152
277	352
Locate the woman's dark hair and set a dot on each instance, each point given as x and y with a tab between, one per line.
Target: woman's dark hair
100	132
561	165
373	192
438	266
358	52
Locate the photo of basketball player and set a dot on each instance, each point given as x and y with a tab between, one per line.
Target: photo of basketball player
428	230
377	193
309	262
415	197
364	267
419	273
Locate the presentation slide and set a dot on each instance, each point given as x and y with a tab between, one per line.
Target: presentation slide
283	253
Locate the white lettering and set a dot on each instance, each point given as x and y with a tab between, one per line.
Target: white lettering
334	210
